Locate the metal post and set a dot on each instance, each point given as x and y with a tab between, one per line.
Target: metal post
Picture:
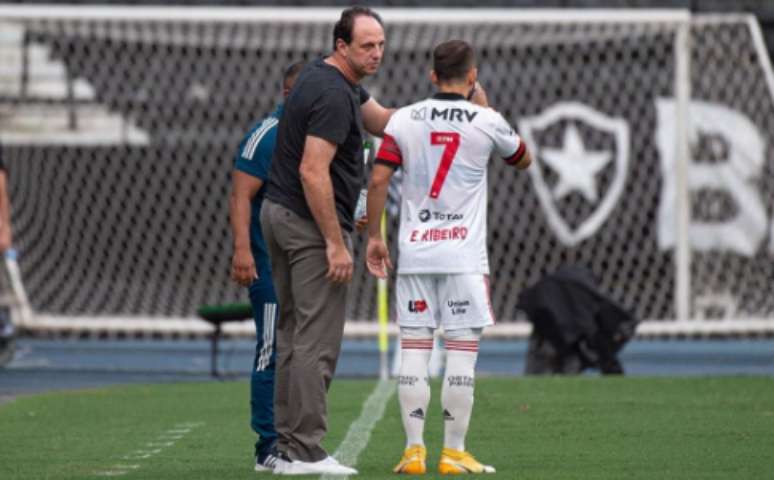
384	313
683	153
25	67
72	119
214	351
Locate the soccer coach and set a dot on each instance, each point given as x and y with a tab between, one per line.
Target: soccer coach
307	220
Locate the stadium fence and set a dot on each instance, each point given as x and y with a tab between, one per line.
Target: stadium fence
652	133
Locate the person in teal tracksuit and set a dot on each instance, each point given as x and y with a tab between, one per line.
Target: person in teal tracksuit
250	267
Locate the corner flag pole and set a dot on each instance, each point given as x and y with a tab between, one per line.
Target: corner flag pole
384	313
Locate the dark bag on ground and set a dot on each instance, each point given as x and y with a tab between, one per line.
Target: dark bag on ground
575	326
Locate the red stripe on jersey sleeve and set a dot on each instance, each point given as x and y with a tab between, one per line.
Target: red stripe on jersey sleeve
514	159
389	152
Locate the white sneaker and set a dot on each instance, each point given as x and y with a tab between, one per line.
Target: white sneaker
328	465
268	463
336	468
281	467
281	463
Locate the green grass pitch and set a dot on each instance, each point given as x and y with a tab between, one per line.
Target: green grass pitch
536	428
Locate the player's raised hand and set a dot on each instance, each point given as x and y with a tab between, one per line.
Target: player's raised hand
243	269
378	258
478	95
340	263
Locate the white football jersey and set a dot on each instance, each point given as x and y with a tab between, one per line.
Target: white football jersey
443	145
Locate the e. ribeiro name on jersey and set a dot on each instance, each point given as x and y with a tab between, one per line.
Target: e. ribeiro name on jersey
443	145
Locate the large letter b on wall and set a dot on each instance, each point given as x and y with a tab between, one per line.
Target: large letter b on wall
734	176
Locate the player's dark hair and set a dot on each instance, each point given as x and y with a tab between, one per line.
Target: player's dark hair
343	28
290	73
452	60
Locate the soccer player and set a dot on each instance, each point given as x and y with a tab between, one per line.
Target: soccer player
443	144
250	268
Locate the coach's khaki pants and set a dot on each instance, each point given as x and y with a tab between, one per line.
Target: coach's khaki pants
309	329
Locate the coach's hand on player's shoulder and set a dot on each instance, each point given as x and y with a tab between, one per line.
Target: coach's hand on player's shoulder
339	262
243	269
378	258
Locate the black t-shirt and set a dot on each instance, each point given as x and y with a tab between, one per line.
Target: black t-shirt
323	104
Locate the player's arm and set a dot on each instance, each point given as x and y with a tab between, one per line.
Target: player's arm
377	255
387	160
375	117
521	159
478	96
510	146
378	187
506	139
243	188
318	191
5	213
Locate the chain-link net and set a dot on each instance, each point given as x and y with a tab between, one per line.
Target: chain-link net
731	177
119	137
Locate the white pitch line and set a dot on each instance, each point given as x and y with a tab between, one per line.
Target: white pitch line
156	446
189	425
159	444
137	456
148	452
110	473
360	431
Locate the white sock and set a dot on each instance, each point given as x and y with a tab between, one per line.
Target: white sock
457	391
413	384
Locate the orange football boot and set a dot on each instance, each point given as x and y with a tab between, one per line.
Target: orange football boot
455	462
413	461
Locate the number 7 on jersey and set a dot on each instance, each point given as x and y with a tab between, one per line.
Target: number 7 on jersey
451	142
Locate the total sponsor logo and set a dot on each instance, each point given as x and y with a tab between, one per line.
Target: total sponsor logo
425	215
439	234
417	306
458	307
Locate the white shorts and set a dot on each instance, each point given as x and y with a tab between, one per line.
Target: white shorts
445	300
